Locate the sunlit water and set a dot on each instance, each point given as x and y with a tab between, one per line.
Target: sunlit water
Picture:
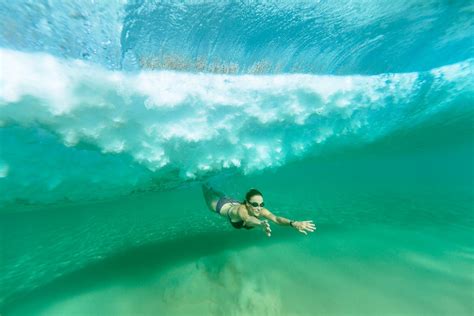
105	142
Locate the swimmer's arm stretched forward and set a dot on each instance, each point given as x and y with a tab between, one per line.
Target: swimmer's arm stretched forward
301	226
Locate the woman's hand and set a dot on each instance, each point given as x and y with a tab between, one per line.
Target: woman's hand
304	226
266	227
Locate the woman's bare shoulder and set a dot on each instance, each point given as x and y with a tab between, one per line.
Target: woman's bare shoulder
242	210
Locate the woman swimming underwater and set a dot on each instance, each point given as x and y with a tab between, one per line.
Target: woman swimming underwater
246	214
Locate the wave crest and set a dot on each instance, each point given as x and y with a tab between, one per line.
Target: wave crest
178	126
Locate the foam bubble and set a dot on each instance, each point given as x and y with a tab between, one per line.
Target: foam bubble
3	170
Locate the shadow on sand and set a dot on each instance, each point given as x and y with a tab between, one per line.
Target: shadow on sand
131	266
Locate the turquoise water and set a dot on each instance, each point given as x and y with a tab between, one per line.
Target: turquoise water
358	116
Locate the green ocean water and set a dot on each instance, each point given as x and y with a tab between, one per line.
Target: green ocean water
395	236
357	115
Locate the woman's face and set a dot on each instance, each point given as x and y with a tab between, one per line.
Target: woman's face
255	205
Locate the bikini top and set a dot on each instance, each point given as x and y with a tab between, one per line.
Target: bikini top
239	224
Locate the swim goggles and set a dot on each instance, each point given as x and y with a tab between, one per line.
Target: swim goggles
255	204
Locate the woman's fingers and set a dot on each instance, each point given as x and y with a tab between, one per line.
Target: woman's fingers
268	231
309	225
266	228
305	226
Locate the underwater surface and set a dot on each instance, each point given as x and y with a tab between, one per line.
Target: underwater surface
358	115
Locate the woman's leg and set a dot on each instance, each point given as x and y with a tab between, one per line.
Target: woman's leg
211	196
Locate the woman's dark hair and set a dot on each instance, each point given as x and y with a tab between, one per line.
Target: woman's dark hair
252	192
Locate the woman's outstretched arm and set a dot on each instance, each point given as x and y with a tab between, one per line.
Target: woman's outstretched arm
302	226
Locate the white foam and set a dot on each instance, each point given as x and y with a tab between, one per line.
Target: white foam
456	71
42	76
196	123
